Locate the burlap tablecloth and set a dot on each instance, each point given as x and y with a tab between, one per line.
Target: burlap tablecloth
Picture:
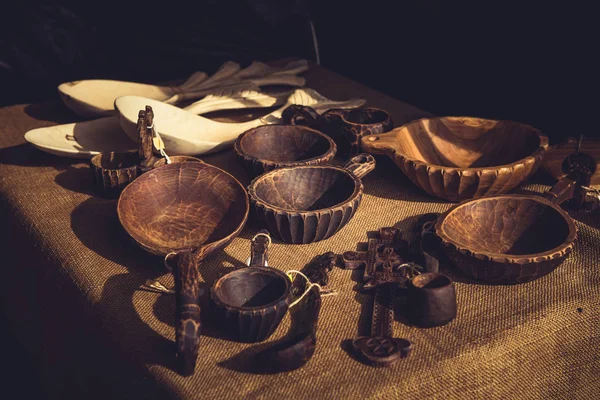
70	291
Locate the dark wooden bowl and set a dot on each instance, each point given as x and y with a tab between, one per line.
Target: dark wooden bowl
269	147
309	203
459	158
189	209
348	127
250	302
506	239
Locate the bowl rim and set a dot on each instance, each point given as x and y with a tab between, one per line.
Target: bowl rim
555	252
388	116
542	147
152	248
270	270
324	157
358	190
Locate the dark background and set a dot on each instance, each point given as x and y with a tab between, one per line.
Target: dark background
533	62
527	61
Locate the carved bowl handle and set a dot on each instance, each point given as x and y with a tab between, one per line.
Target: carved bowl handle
259	248
187	310
361	164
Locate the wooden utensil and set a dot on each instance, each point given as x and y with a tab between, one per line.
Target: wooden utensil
113	171
94	98
346	127
184	212
88	138
250	302
384	271
305	204
187	134
556	159
269	147
458	158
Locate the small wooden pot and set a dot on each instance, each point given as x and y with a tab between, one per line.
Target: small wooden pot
251	302
431	300
269	147
309	203
459	158
113	171
506	239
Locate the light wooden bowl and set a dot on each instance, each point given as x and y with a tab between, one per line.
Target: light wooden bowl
459	158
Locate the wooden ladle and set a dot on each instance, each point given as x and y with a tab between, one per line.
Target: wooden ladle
184	212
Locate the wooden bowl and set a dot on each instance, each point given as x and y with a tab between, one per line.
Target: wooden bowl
269	147
459	158
187	209
508	238
306	204
250	302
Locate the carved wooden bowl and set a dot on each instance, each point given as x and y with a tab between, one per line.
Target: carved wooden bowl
190	210
459	158
269	147
251	302
508	238
309	203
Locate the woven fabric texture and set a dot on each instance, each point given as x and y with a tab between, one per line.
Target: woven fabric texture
72	295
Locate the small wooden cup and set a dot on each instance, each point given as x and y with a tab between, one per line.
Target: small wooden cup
306	204
113	171
431	300
459	158
269	147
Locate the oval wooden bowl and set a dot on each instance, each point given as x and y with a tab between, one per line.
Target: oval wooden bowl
459	158
506	239
306	204
182	206
269	147
251	302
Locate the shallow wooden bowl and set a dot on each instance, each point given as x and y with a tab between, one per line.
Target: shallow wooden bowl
269	147
459	158
182	206
187	210
506	239
250	302
306	204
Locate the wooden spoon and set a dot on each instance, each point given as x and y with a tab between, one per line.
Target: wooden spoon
89	138
95	97
188	134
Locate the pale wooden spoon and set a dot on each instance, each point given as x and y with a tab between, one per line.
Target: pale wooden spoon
95	97
185	133
88	138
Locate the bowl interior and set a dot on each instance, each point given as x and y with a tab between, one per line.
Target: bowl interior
506	225
305	188
251	287
183	205
366	116
467	142
284	143
116	160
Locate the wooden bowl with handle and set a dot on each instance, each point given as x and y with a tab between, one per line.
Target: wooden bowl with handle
309	203
506	239
184	212
459	158
269	147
